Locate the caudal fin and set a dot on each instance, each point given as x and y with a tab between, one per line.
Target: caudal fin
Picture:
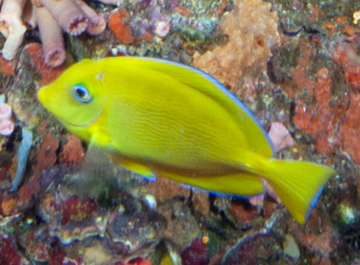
298	184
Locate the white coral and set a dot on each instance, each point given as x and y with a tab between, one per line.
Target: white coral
11	26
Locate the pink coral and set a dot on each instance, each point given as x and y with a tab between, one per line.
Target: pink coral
68	14
259	199
5	111
281	139
280	136
96	23
72	16
6	125
53	46
162	28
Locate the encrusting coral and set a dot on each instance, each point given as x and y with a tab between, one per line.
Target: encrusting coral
249	46
51	16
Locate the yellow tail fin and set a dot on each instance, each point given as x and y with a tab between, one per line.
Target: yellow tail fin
298	184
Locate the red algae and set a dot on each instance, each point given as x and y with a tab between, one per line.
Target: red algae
243	213
6	67
352	76
318	243
46	157
69	208
318	238
269	208
88	206
300	74
8	252
57	257
135	262
74	209
72	152
147	36
350	129
48	73
316	113
119	26
318	119
164	189
37	247
196	254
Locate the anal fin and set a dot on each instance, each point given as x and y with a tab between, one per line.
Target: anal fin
243	183
133	166
138	169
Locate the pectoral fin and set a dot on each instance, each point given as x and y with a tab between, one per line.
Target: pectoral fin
96	174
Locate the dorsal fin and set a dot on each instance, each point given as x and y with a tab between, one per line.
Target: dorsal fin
256	137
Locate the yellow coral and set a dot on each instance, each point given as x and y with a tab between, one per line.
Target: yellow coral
356	16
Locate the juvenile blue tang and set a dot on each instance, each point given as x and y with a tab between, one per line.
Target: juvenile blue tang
157	117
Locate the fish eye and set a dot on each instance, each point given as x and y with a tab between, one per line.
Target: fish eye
81	94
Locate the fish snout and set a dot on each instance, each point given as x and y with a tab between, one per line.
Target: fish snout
41	95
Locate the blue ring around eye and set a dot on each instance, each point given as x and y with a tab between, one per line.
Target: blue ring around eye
81	93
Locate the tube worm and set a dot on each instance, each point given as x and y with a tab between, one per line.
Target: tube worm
51	37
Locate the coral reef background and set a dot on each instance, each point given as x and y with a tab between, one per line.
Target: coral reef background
296	66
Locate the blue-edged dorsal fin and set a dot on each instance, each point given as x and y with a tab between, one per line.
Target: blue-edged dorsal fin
256	137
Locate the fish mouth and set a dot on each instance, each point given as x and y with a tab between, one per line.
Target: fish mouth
69	124
40	95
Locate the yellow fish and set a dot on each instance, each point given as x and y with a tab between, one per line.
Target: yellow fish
159	117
